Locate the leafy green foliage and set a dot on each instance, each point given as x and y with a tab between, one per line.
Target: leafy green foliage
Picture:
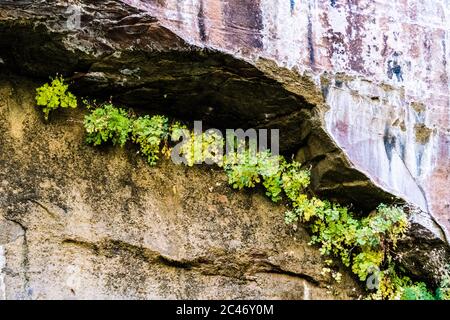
54	95
199	147
391	285
149	133
242	169
177	130
358	242
212	148
362	244
247	168
271	170
366	262
443	292
295	181
107	123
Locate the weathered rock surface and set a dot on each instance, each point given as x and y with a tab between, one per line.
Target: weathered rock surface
346	84
78	222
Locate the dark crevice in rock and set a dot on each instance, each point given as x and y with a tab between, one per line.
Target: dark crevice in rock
45	208
176	264
278	270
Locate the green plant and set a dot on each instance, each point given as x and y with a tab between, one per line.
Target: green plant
107	123
177	130
443	292
149	133
54	95
362	244
295	181
242	169
197	148
248	168
271	170
366	262
212	148
391	286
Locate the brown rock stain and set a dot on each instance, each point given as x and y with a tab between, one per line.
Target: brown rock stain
423	133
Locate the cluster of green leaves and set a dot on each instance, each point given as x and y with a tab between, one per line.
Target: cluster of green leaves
443	292
420	291
242	169
391	285
396	287
108	123
364	244
273	171
248	168
54	95
360	243
148	133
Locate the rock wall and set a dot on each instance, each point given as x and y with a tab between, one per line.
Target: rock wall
358	89
83	223
382	67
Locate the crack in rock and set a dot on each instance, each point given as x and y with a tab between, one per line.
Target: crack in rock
239	266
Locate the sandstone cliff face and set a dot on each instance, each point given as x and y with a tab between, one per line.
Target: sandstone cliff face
78	222
358	89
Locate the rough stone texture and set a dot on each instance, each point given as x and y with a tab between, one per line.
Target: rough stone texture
426	260
78	222
359	89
